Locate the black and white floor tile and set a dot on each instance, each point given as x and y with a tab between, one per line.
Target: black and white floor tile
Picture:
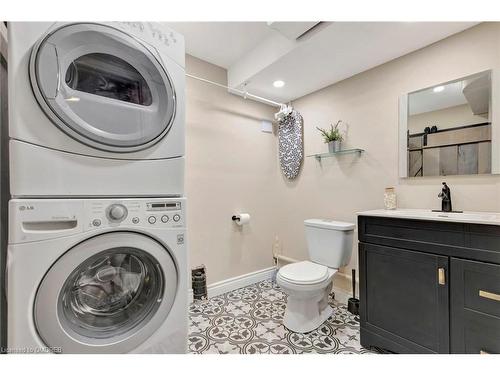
250	321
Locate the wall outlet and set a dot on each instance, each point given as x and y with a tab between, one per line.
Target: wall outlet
276	246
266	126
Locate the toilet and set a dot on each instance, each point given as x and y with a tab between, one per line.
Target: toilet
309	283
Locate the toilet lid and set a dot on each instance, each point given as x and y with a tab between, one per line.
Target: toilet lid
304	272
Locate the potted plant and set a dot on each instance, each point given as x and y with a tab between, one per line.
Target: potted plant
332	136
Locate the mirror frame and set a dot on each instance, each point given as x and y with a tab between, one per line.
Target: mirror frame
494	119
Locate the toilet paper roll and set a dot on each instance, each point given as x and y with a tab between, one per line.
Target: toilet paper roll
242	219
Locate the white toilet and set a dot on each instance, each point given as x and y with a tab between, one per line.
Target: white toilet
309	283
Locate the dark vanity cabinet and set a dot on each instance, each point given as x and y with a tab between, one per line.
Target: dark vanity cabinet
429	286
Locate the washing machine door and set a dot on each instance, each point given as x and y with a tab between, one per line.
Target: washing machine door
107	294
103	87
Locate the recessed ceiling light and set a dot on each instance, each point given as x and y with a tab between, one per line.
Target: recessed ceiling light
278	83
438	88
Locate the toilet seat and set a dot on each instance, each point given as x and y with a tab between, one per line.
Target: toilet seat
304	273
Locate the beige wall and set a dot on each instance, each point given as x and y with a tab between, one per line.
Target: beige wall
232	165
451	117
368	102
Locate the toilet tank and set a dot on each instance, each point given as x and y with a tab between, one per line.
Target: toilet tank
329	242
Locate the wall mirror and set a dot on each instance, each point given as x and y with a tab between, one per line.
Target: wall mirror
450	128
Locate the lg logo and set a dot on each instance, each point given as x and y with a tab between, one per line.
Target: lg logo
26	207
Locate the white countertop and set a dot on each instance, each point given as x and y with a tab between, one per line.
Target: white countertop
491	218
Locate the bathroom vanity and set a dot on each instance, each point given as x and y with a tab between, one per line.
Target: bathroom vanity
430	281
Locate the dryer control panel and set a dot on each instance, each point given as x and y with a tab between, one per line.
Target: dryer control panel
38	219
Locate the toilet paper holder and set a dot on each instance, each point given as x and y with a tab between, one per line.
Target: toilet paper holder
241	219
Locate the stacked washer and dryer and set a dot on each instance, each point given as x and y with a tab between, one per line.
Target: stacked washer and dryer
97	255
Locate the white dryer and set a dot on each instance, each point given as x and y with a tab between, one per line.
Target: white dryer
97	276
96	109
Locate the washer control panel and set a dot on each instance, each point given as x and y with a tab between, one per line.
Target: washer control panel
156	212
41	219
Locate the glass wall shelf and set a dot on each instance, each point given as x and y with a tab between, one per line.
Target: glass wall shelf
358	151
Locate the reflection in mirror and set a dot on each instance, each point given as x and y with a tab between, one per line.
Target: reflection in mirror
449	128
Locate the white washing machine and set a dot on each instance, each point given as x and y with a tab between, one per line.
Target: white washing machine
96	109
97	276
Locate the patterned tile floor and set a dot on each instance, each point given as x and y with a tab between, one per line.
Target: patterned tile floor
249	320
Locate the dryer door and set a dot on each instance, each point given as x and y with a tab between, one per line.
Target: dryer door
102	87
107	294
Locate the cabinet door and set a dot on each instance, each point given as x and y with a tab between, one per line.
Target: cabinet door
475	307
404	299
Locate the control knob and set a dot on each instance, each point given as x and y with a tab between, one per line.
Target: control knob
117	212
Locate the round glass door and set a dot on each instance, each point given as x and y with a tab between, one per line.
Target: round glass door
111	293
102	87
107	294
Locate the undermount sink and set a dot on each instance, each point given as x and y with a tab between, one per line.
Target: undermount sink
491	218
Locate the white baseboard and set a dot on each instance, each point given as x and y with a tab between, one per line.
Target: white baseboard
237	282
340	285
341	295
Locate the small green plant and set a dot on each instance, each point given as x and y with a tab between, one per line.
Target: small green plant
333	134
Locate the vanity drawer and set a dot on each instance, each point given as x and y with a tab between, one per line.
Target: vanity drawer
481	334
475	306
480	284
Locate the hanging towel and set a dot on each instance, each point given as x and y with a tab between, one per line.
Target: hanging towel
291	146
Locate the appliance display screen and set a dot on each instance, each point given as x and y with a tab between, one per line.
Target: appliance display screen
159	206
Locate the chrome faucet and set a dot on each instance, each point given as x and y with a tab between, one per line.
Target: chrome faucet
445	196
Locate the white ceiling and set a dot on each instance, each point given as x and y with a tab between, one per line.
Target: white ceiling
427	100
221	43
255	54
453	94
